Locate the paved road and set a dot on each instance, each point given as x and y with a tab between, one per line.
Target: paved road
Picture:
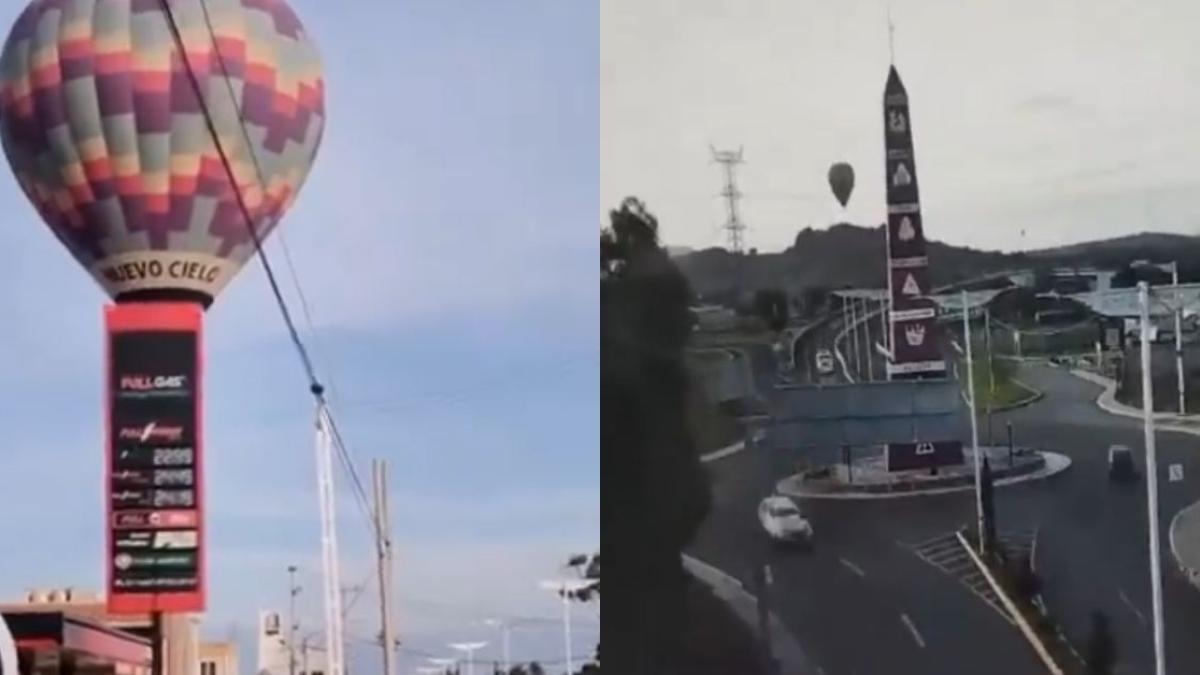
1094	545
864	602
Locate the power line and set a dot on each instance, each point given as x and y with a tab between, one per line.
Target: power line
315	386
458	395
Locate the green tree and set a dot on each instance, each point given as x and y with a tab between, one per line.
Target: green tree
1101	646
656	492
771	305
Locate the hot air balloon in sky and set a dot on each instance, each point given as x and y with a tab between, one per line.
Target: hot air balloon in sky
145	158
161	141
841	182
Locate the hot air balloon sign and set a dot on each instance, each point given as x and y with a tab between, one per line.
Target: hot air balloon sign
160	141
841	183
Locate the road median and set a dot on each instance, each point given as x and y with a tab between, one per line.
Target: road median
869	479
1022	616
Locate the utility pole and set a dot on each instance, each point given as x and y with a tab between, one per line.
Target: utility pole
334	640
383	549
1151	481
734	227
293	625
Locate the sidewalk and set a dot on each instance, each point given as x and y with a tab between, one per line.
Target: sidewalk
787	652
1107	401
1185	542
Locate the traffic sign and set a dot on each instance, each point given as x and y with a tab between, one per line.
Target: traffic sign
1175	473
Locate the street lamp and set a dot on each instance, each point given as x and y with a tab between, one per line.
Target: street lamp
1151	483
1177	310
293	591
470	648
443	664
504	627
565	588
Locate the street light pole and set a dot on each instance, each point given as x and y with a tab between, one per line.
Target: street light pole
503	626
1178	339
869	350
470	648
293	591
565	589
854	338
987	337
1151	481
974	421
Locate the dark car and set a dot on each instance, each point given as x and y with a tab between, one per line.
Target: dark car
1120	463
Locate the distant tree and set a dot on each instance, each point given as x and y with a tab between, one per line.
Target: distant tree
656	491
814	300
587	567
1101	653
771	305
1129	276
535	668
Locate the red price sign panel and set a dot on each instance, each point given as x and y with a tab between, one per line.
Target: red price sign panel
154	554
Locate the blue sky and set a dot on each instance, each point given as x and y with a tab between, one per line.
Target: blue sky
445	242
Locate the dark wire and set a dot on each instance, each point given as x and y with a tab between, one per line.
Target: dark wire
315	386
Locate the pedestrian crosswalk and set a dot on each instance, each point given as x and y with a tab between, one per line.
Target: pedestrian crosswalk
946	553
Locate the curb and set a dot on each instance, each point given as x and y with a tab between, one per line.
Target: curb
1035	395
1106	402
1011	607
1192	575
731	449
788	653
1055	464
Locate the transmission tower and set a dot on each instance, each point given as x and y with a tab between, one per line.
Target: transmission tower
734	227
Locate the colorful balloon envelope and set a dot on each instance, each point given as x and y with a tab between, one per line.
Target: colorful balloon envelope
109	128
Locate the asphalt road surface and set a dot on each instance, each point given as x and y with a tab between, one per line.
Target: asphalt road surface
863	601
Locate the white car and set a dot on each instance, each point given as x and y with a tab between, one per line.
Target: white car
781	518
824	361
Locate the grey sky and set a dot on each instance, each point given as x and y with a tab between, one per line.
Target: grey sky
1071	119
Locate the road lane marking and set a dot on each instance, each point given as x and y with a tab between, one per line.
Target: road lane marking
853	568
1125	599
912	628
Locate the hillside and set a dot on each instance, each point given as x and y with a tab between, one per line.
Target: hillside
843	255
1119	251
850	255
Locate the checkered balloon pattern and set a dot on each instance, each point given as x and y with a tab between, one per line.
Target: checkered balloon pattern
102	118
